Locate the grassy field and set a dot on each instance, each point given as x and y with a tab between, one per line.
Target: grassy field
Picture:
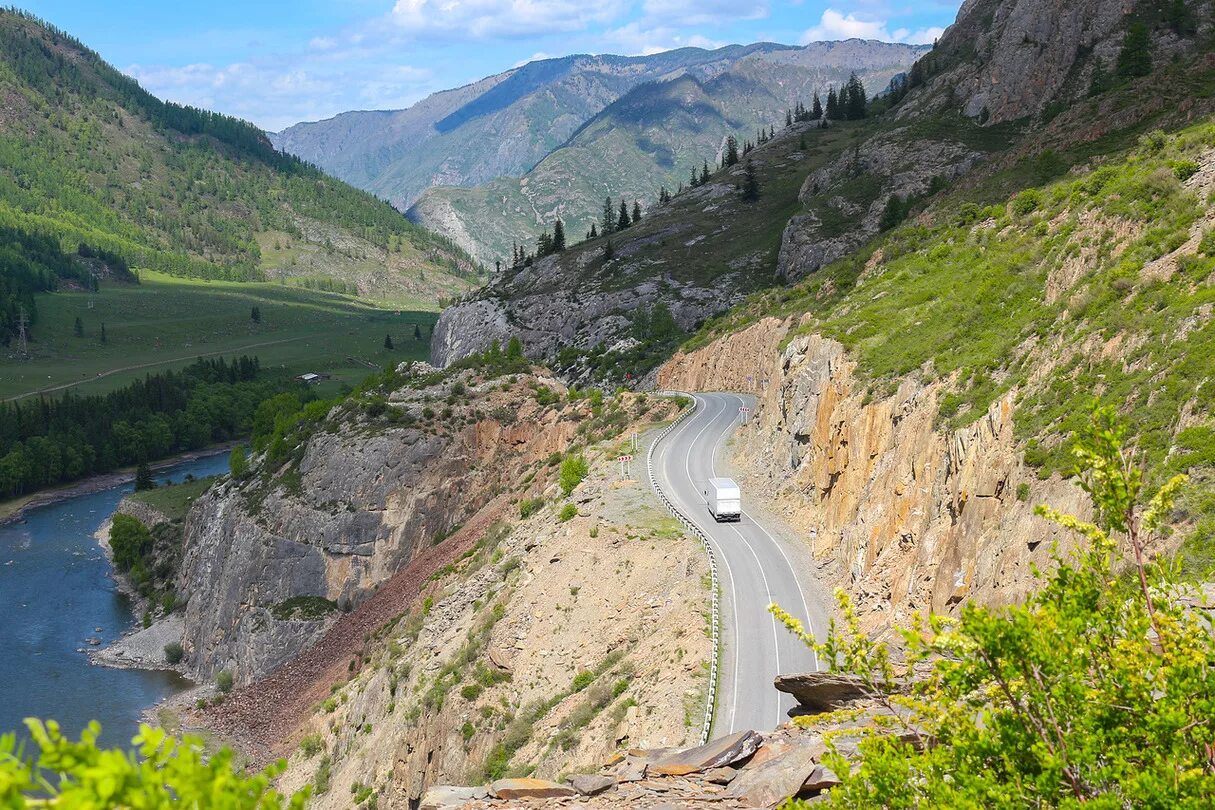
174	501
167	322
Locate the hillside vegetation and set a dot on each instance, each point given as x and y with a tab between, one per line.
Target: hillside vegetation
87	156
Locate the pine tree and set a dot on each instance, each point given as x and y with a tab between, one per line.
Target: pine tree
79	328
622	218
771	131
255	315
788	118
695	181
1100	80
544	245
1135	58
664	196
103	336
558	236
417	332
636	212
593	233
731	151
704	173
1179	18
143	478
388	342
750	187
609	252
856	100
816	112
609	216
832	112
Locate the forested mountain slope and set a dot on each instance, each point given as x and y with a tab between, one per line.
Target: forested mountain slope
650	138
87	156
824	193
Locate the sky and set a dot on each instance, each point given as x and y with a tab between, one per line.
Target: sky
277	63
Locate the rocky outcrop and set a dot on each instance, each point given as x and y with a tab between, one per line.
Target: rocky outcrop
908	516
366	495
897	163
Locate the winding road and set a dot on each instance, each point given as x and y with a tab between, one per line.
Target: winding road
755	568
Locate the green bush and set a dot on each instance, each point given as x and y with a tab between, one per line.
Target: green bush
582	680
568	512
306	608
311	745
130	541
530	506
238	463
173	652
223	680
162	772
574	470
1097	691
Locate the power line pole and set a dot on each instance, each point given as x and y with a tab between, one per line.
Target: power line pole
23	345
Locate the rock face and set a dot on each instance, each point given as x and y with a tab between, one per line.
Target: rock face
370	496
909	517
716	754
822	691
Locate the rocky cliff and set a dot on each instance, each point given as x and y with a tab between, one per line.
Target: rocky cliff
910	517
270	561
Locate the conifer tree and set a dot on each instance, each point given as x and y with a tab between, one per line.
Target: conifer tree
731	151
622	218
771	131
103	336
558	236
855	100
816	111
704	173
1100	80
750	186
593	233
695	181
832	112
143	477
544	245
1135	58
609	216
388	342
417	332
79	328
788	118
636	211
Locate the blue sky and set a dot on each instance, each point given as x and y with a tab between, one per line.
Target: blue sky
276	63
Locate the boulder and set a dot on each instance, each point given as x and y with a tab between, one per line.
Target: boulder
529	789
715	754
770	783
720	776
821	778
447	797
591	784
822	691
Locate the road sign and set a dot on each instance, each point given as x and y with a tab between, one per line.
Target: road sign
624	465
625	458
742	412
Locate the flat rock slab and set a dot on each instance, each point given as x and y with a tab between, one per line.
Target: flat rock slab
529	789
716	754
445	797
822	691
770	783
590	784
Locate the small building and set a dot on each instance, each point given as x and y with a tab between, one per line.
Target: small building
310	378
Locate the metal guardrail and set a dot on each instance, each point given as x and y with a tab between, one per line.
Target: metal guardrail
711	697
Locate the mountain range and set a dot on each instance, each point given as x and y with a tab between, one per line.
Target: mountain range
88	156
496	162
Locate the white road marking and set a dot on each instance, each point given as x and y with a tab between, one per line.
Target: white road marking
729	572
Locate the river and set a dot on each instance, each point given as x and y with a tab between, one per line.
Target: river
55	591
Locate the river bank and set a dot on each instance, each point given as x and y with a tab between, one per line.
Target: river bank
15	509
58	604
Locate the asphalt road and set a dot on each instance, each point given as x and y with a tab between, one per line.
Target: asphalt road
755	568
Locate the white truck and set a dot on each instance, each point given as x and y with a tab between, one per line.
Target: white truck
724	499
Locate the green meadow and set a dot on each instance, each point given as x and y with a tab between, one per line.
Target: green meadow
167	322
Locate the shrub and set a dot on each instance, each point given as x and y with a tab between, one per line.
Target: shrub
311	745
582	680
305	608
238	463
470	691
324	773
568	512
223	680
162	772
574	470
530	506
1023	492
130	541
173	652
1026	202
1096	691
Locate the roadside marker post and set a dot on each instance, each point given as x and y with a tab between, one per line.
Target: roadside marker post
744	413
624	465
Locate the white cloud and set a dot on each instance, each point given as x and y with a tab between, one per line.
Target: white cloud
276	94
638	39
702	12
488	19
835	25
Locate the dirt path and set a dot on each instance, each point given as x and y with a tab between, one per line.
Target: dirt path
53	388
263	718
